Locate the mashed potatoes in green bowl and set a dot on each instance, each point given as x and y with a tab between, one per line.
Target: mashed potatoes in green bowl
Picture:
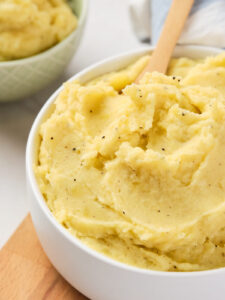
30	27
38	38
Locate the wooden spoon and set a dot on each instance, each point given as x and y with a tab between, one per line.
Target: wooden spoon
171	31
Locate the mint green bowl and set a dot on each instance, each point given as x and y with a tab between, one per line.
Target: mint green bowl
24	77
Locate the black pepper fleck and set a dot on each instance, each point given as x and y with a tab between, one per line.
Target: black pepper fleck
91	111
183	114
123	212
163	149
74	149
74	179
103	137
52	137
174	77
159	211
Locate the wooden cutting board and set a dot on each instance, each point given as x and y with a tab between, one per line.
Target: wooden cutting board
26	273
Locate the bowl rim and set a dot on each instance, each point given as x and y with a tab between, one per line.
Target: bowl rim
49	51
31	179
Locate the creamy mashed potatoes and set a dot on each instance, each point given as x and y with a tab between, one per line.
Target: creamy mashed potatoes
137	172
32	26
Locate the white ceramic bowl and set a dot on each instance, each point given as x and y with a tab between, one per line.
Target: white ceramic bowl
23	77
96	276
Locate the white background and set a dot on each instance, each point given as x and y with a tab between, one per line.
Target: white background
108	32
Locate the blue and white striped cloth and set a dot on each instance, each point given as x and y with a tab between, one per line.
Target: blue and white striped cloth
205	25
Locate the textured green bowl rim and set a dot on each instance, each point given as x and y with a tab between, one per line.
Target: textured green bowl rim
80	7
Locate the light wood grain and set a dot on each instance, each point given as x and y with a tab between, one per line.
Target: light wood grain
27	274
169	36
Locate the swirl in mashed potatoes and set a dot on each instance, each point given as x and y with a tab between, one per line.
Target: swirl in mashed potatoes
137	171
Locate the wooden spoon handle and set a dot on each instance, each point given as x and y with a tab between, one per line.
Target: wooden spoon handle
171	31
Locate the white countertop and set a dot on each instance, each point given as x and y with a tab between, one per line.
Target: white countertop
108	32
